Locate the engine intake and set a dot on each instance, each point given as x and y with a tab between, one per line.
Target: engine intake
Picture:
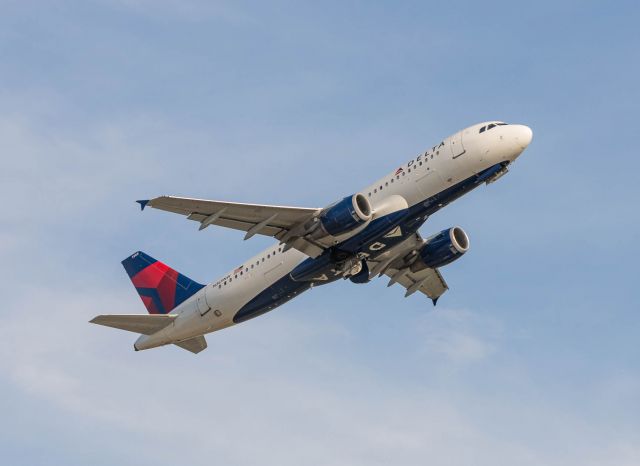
442	249
346	215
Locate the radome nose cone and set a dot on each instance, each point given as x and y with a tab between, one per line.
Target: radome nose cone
525	135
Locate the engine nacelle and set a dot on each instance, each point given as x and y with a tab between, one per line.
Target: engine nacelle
346	215
442	249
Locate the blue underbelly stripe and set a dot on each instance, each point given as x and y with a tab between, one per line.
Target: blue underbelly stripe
275	295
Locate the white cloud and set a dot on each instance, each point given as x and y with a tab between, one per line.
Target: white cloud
268	392
459	336
226	405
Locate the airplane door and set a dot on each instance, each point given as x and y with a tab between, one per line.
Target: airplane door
455	143
203	306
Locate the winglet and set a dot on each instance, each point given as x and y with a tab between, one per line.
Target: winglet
435	300
143	203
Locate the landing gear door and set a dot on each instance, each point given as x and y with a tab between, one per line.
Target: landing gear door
455	143
203	306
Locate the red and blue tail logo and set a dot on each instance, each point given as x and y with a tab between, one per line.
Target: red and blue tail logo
160	287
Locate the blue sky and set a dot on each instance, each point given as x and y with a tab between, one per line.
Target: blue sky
531	358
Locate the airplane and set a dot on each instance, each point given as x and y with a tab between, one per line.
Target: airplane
370	233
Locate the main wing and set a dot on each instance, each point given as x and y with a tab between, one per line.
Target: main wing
427	281
269	220
396	262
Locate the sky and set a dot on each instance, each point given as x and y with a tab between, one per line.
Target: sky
532	356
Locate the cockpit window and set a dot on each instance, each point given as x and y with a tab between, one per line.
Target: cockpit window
491	126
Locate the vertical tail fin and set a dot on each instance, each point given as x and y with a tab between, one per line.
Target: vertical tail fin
160	287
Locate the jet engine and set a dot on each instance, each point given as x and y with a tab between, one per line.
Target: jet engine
442	249
346	215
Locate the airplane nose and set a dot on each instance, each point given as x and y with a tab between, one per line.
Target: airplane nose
524	135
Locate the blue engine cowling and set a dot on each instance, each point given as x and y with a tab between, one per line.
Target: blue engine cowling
442	249
346	215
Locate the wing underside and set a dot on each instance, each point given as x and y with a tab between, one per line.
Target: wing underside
427	281
396	264
279	222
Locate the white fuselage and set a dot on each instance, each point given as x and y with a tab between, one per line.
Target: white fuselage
442	166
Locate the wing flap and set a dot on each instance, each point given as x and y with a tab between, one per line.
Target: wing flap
138	323
431	282
242	225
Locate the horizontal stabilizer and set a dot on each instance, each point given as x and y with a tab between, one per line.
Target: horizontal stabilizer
195	345
138	323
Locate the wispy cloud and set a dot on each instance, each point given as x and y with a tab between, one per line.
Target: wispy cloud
459	336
